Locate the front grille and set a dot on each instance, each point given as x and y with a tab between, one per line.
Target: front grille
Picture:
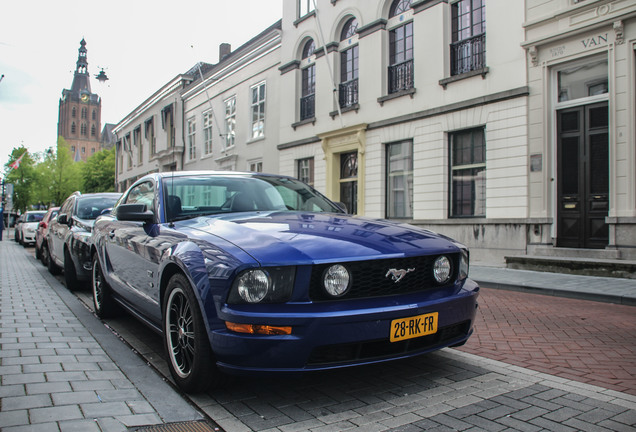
383	348
370	278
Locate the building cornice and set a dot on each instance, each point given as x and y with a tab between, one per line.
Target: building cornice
372	27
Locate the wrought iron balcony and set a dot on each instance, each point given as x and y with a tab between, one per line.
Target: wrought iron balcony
468	55
307	107
401	76
348	93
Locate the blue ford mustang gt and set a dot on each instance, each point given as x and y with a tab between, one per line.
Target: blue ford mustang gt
253	273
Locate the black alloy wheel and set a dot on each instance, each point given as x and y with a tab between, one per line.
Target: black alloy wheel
187	346
103	302
70	275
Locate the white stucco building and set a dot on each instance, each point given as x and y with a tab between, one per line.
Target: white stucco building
454	115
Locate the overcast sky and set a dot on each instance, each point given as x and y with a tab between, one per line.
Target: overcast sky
141	44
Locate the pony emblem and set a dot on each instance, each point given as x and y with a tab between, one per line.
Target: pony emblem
398	275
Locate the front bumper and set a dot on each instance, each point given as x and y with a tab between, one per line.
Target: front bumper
340	334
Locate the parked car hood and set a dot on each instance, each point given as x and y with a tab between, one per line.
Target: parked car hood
281	237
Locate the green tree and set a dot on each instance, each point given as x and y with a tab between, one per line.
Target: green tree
64	175
23	176
99	172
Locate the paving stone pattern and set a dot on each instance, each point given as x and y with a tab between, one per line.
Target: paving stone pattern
54	375
580	340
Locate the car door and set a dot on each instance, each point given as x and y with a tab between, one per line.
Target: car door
131	247
58	231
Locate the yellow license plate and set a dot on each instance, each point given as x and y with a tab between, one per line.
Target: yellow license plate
412	327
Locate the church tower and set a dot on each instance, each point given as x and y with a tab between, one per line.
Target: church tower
79	118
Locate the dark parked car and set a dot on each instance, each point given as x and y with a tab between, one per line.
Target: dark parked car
256	273
26	226
40	234
67	243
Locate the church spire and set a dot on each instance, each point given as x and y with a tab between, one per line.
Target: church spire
81	80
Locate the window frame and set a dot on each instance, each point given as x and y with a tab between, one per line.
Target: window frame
475	201
465	37
207	132
258	109
230	122
304	8
391	211
309	168
191	130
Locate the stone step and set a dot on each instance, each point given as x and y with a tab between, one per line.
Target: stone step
574	265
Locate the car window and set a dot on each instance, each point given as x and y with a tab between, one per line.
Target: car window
34	217
193	196
67	207
89	207
143	193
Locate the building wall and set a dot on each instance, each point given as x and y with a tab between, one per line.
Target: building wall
560	33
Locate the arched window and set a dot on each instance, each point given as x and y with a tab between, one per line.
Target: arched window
94	115
398	7
349	29
83	129
93	130
73	128
401	76
308	49
308	84
84	113
74	112
348	88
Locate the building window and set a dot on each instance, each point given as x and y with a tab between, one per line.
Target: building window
306	170
583	80
84	113
230	122
94	115
93	130
308	85
400	73
83	150
256	166
258	110
139	145
207	132
150	136
73	128
192	143
348	89
399	180
305	7
468	173
73	149
120	157
74	112
349	181
468	27
83	129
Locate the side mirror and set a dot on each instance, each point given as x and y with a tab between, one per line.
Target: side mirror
135	213
62	219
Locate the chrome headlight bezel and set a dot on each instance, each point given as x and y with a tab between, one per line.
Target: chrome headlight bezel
263	285
336	280
442	269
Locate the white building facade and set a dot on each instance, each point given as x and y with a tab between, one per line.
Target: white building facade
447	114
582	126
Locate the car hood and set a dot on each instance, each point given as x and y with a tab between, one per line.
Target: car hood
282	237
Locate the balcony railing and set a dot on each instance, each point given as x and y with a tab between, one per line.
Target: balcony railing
307	107
468	55
348	93
401	76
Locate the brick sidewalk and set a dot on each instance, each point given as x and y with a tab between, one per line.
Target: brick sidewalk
585	341
55	374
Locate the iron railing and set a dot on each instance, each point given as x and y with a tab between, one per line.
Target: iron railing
401	76
468	55
307	107
348	93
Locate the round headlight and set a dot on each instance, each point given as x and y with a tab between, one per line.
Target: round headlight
253	286
336	280
442	269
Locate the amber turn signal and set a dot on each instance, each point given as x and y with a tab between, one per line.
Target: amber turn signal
258	329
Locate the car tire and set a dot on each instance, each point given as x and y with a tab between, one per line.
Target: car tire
103	303
70	275
190	357
44	254
54	269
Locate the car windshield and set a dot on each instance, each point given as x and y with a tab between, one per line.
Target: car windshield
91	207
34	217
188	197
